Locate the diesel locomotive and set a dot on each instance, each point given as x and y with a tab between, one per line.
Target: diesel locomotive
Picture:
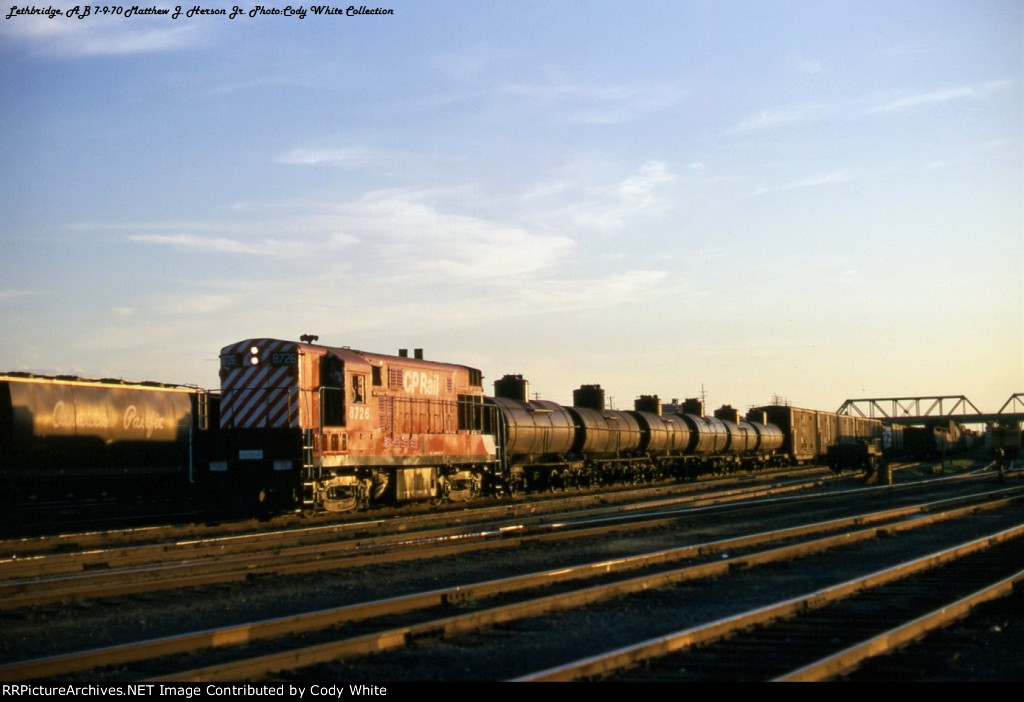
322	427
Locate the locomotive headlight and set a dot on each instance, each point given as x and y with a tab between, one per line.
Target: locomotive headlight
254	360
254	355
254	350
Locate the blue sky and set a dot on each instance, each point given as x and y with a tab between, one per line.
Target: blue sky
819	200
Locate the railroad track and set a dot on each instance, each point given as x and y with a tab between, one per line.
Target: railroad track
783	641
32	580
130	570
529	606
410	517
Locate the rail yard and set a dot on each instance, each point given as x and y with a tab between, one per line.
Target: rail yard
334	514
699	581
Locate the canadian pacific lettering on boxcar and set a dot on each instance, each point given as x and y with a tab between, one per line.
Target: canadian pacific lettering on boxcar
69	438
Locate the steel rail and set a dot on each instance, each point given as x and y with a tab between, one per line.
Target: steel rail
850	658
234	635
303	559
325	556
623	658
228	636
108	559
36	566
462	624
19	547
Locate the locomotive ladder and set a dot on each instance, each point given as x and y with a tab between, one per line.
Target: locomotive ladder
203	409
310	471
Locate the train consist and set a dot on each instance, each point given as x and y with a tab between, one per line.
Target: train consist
301	425
322	427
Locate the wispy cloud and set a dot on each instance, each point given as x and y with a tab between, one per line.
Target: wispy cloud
99	36
799	115
14	294
784	117
199	304
192	242
411	230
815	182
596	104
410	233
965	92
640	190
346	158
573	201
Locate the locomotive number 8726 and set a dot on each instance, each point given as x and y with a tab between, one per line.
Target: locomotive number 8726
334	427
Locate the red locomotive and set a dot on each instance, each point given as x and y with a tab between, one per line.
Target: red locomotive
335	427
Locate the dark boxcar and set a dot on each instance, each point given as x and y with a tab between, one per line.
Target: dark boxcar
1005	436
70	437
801	441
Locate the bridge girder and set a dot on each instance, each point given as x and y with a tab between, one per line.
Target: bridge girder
916	410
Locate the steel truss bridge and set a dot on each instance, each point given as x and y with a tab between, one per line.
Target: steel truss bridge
930	409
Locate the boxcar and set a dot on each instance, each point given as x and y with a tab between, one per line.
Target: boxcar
67	437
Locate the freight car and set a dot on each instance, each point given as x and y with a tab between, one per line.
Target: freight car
841	441
935	441
66	438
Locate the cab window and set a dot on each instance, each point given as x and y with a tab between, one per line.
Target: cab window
332	391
